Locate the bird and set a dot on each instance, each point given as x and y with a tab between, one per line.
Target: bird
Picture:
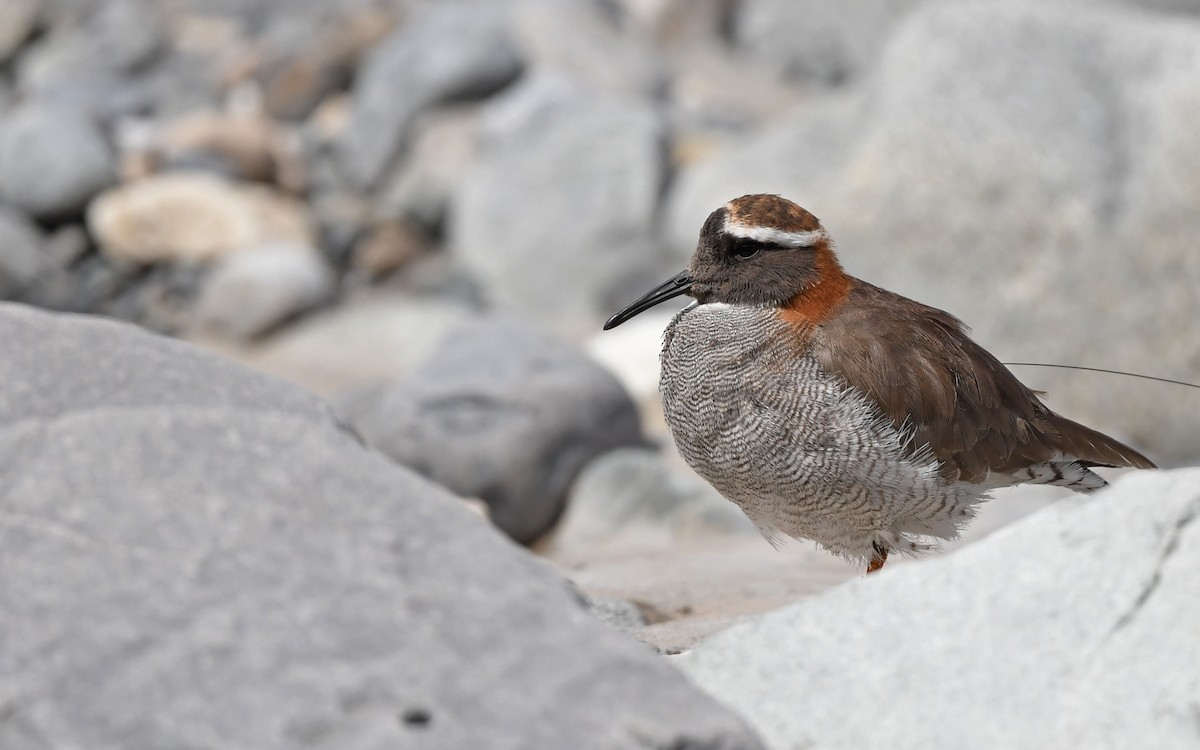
830	409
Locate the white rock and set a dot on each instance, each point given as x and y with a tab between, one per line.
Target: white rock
193	217
1074	628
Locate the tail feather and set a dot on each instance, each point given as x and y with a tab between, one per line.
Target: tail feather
1066	473
1089	447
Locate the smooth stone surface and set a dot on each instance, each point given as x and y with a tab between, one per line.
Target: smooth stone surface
92	43
841	41
1073	628
634	499
52	160
845	42
443	149
250	292
22	253
194	555
102	366
193	217
502	412
110	60
456	51
585	41
557	217
366	339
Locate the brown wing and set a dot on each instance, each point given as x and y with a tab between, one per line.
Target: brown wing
917	363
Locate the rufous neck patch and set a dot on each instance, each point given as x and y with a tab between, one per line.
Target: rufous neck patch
812	306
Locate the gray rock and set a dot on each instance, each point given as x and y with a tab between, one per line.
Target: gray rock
502	412
18	20
366	338
443	150
679	23
242	147
618	613
31	268
825	42
632	498
52	160
67	244
22	255
557	219
116	36
256	289
1023	150
102	366
583	40
309	56
203	559
830	43
97	280
97	58
1073	628
453	52
161	298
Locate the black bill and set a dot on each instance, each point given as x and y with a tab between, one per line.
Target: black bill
680	283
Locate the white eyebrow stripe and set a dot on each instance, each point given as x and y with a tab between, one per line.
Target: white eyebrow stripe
773	236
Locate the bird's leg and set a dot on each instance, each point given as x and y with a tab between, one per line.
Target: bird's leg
877	559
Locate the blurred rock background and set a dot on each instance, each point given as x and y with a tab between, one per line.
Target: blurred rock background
423	210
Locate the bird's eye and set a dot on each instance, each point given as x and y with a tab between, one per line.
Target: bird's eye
744	249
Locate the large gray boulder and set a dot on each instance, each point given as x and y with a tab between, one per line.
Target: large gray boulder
193	555
501	412
56	364
1034	153
1073	628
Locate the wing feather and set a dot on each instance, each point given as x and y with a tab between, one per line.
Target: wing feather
920	367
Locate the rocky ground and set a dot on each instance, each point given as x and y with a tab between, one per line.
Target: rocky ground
421	211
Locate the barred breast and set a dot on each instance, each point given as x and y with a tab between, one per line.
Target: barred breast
802	453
